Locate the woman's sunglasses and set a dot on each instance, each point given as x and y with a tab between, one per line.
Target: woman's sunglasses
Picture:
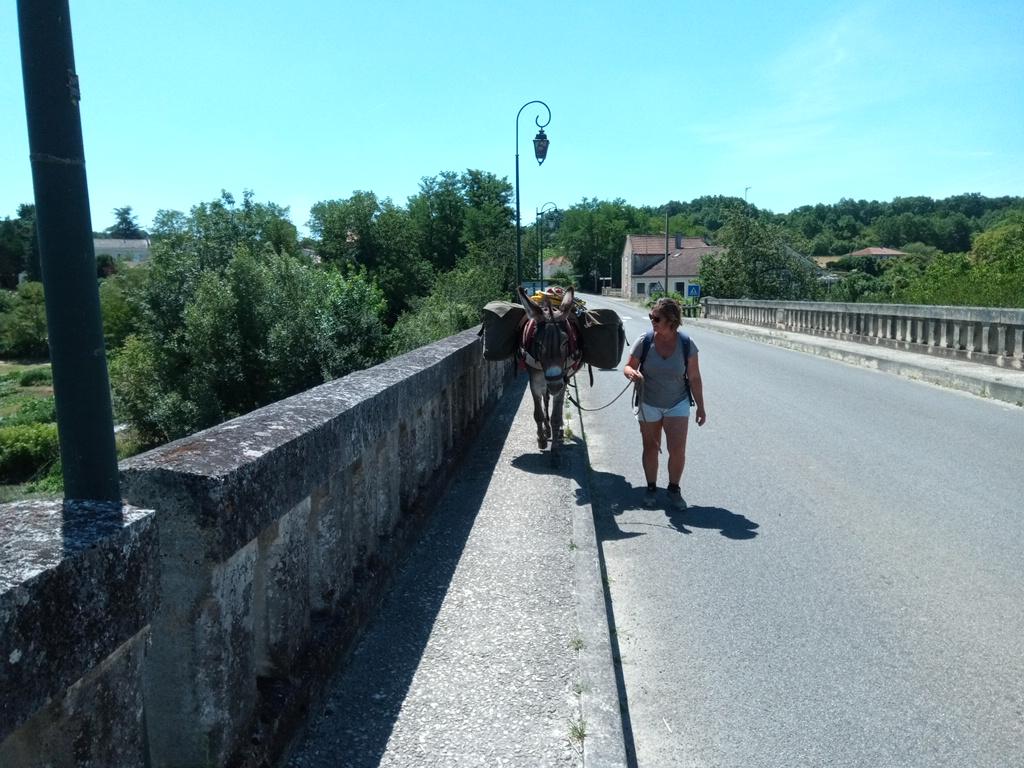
655	319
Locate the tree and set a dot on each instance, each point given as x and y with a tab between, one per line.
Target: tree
126	226
226	319
30	242
12	253
756	263
169	223
23	326
363	235
593	233
122	298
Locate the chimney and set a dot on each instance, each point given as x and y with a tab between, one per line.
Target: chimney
679	241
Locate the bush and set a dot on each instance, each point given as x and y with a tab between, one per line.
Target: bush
25	450
38	375
23	326
35	411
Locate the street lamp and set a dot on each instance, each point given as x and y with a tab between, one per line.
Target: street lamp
540	151
540	238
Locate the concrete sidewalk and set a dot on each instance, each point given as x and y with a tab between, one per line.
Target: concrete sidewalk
492	647
1005	384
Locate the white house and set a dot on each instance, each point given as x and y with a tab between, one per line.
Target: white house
131	251
643	263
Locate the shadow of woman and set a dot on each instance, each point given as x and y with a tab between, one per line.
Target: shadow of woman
729	524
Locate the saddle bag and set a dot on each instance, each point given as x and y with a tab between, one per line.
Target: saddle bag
602	338
501	323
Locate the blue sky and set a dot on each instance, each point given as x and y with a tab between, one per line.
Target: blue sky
304	101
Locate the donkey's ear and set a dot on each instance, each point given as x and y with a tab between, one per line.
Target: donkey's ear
533	310
567	300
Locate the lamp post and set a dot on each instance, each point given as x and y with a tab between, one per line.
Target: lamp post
81	384
666	250
540	151
540	238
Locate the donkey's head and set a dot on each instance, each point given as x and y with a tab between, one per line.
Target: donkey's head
550	345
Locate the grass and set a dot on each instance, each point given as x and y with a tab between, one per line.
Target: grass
576	644
577	732
28	403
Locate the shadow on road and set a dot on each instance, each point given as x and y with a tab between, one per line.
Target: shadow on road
547	463
731	525
359	710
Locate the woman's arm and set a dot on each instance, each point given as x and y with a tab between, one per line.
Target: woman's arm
629	370
696	387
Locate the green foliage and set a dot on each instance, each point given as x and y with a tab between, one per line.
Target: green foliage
126	225
227	322
365	235
12	253
24	448
592	234
756	263
19	250
453	305
40	374
23	325
122	304
33	411
678	297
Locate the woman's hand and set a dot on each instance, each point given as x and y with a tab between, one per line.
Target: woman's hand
632	374
701	415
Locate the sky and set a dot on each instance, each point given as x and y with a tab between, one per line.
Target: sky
788	103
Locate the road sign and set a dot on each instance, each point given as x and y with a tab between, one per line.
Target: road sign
693	290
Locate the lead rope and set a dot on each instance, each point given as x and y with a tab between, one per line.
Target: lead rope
577	403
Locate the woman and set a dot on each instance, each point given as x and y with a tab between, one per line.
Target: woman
664	402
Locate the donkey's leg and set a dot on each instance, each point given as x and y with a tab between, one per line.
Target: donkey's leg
538	389
557	407
547	418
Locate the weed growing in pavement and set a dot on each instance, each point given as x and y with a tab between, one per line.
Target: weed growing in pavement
576	644
577	732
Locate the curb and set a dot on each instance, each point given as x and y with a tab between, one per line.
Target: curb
604	745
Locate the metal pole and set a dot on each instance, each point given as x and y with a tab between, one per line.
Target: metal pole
81	385
540	237
519	243
666	250
540	247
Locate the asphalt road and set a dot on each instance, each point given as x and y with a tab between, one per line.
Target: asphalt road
846	588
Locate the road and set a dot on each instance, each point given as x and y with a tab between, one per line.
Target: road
846	588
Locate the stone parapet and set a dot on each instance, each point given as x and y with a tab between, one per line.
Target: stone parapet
78	587
197	634
990	335
275	526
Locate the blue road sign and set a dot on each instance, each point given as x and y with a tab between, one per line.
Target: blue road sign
693	290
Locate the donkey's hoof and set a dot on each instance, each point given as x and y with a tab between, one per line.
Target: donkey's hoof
542	443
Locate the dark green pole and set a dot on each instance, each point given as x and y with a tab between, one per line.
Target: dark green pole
666	250
81	386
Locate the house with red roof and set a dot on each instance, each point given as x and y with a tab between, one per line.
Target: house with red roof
644	257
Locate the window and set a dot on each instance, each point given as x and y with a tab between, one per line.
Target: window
640	288
680	288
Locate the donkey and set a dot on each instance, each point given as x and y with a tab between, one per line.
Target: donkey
550	347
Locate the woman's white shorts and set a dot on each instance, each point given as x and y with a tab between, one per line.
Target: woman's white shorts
653	413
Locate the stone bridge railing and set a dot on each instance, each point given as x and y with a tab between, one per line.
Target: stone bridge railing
193	626
992	336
